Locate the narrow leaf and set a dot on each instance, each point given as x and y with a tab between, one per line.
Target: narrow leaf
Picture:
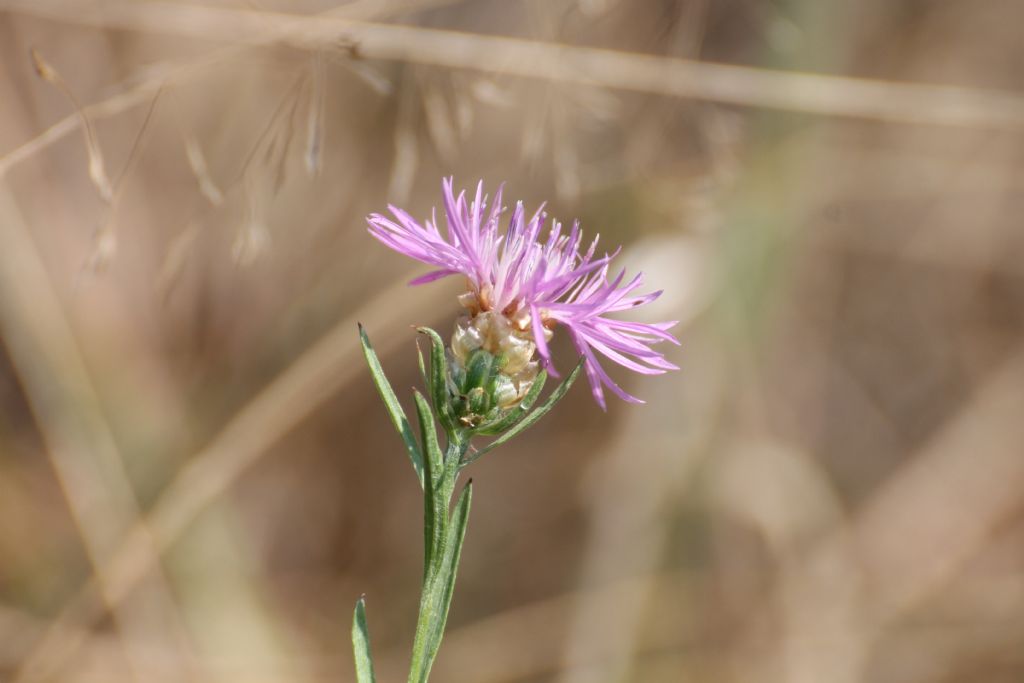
434	501
438	379
452	554
361	645
518	412
395	410
422	365
533	417
434	462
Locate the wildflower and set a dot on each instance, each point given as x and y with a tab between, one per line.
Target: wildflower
522	285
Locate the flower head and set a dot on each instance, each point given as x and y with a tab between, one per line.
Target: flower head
524	283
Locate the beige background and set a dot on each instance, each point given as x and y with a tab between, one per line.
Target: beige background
197	481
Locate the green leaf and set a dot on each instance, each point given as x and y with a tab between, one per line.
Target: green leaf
438	380
532	418
518	412
450	564
434	462
437	592
394	408
361	645
435	503
422	365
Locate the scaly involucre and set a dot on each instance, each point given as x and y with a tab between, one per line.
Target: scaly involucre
536	281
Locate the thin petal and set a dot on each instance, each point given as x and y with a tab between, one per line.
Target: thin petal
431	276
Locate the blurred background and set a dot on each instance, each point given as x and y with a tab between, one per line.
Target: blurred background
197	479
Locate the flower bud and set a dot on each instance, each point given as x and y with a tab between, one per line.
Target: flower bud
491	366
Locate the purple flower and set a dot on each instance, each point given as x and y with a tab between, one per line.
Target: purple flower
534	281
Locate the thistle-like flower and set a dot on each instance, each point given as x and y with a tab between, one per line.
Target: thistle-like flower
521	285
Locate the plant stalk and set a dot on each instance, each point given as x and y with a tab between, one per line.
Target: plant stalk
443	535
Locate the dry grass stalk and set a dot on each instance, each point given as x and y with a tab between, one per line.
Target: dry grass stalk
160	74
747	86
80	442
313	378
97	172
197	163
315	119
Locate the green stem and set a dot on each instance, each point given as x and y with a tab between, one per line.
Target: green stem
443	535
444	527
